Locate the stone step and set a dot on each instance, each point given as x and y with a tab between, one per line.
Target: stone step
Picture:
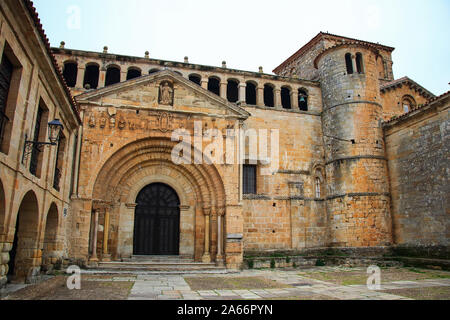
177	265
145	264
155	272
160	258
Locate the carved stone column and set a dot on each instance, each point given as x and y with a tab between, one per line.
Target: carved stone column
223	90
242	95
204	83
102	77
354	64
123	76
106	256
94	238
294	99
206	255
277	98
80	78
260	96
220	257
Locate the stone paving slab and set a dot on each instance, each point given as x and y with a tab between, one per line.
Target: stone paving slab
169	287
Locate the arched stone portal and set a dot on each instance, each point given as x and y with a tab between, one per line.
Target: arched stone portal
199	188
25	255
157	221
51	249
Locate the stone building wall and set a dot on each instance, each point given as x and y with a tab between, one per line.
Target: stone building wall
301	64
32	200
392	100
284	213
417	147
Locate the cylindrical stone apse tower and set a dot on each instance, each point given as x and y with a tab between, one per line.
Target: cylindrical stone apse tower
358	201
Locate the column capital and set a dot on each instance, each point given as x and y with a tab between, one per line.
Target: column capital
206	211
221	211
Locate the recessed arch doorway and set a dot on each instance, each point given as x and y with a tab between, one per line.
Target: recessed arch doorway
157	221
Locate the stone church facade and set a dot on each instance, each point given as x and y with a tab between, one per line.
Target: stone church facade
347	136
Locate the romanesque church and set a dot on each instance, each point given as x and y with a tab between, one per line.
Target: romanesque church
87	170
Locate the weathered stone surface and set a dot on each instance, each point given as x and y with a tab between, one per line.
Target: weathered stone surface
343	180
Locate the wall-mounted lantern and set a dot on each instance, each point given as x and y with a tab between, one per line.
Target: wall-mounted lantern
55	128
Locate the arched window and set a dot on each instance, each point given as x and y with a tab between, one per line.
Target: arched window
268	95
153	71
195	78
302	100
286	97
232	90
318	186
91	76
250	93
112	75
359	63
214	85
408	103
133	73
70	73
348	63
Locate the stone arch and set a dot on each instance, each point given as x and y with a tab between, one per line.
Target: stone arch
250	92
214	85
187	193
380	67
286	97
70	72
51	246
25	255
133	72
91	75
153	70
195	78
112	74
269	95
137	153
302	97
233	90
318	175
148	161
408	103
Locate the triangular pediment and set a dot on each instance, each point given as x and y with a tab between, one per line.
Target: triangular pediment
145	92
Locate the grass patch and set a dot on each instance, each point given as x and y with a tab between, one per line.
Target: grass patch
427	293
359	276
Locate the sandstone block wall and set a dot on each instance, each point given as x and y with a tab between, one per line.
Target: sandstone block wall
418	149
26	197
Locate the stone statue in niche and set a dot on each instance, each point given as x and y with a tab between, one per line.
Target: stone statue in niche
102	122
122	123
166	93
92	121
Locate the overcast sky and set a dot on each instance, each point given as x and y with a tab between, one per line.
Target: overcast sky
250	33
